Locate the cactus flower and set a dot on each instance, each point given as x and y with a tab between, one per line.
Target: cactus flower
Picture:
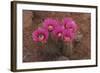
40	35
68	35
70	24
58	32
50	24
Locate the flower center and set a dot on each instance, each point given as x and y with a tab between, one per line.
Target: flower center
50	27
41	37
59	34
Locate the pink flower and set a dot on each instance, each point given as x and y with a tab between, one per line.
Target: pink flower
68	35
70	24
40	35
58	32
50	24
